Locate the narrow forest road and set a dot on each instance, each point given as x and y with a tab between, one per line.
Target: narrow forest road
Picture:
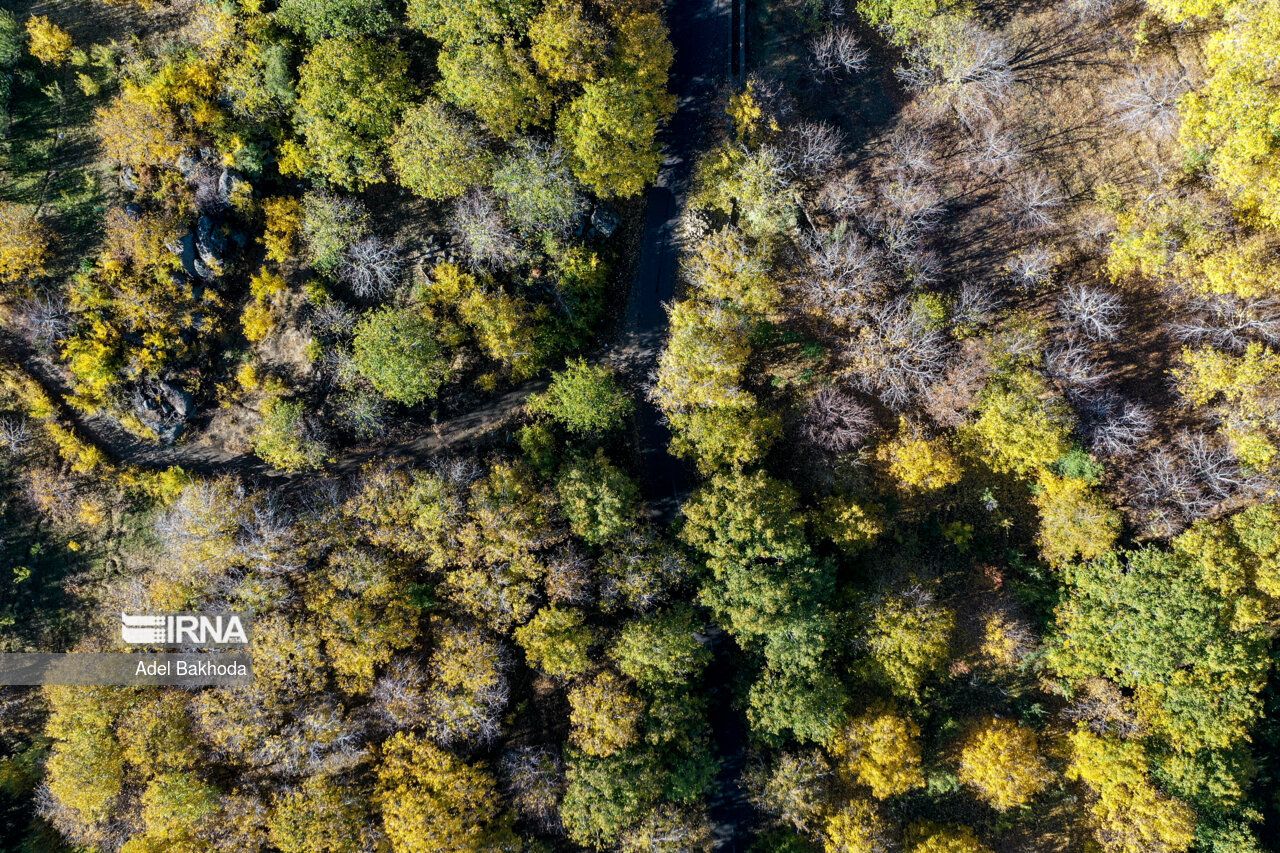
701	34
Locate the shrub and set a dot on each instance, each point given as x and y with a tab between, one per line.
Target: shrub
398	350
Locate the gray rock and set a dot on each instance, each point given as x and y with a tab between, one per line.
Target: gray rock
230	184
129	180
164	408
201	269
186	164
134	212
211	243
605	220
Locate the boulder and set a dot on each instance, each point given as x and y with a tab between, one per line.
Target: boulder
230	185
211	243
605	221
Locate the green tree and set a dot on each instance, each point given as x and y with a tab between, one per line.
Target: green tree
611	130
538	190
600	500
566	45
437	154
330	226
496	82
470	20
350	94
586	399
558	641
12	39
764	576
908	639
320	816
1153	621
607	795
320	19
286	438
398	350
661	648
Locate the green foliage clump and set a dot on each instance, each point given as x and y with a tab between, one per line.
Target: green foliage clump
585	399
437	154
600	500
351	91
398	350
286	438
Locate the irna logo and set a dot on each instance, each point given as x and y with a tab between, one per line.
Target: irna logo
185	629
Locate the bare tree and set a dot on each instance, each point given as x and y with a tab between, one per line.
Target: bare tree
834	420
794	791
844	272
488	242
570	577
914	207
1101	705
836	51
362	412
399	694
371	268
1093	10
533	779
1031	268
812	148
897	354
968	71
1114	426
843	195
45	320
333	320
15	435
993	151
1093	311
975	306
909	151
1148	101
1226	321
1071	363
1175	485
1033	202
953	394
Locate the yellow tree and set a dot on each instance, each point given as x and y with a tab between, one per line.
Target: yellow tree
605	713
881	749
918	464
433	803
932	838
24	244
856	828
1129	814
1001	761
1075	520
48	42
